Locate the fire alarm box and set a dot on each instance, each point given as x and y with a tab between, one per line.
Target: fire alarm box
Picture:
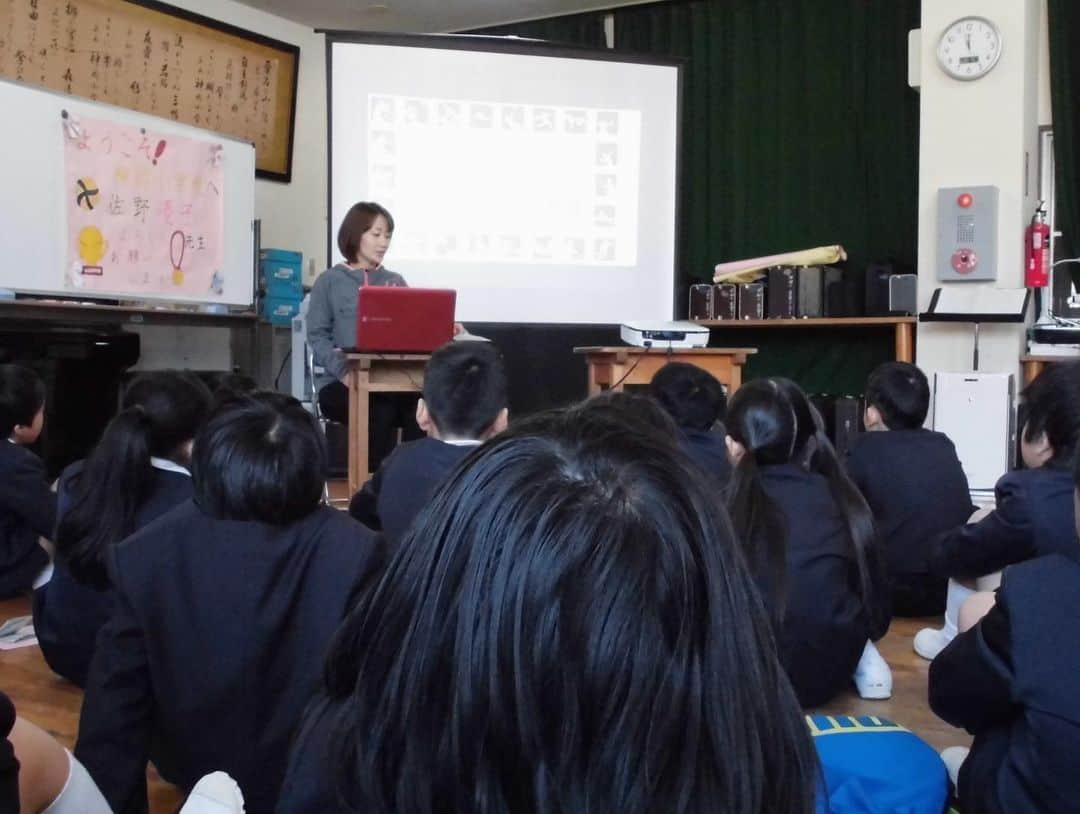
967	233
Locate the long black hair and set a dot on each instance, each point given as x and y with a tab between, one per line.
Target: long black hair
567	627
160	413
761	418
814	449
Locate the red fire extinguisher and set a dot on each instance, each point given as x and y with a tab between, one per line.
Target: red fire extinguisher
1037	250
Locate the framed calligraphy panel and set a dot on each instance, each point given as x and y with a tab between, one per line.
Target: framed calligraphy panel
158	59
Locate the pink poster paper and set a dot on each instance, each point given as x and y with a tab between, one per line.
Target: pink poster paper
144	212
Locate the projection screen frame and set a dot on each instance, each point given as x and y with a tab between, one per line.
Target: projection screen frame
527	47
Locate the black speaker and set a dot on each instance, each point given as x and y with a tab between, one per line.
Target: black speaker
810	286
783	292
726	301
826	406
877	289
848	423
904	294
751	301
701	302
843	293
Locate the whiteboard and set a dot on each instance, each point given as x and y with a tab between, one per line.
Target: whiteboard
34	233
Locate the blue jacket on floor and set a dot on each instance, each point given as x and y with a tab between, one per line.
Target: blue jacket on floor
871	765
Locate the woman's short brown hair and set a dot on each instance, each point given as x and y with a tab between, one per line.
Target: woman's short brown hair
357	221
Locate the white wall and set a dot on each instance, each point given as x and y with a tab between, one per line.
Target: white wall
975	133
293	215
1045	117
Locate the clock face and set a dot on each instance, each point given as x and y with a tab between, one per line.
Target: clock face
969	48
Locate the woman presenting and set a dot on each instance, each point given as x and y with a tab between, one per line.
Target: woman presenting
363	240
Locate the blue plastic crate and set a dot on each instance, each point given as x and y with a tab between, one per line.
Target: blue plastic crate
282	272
280	310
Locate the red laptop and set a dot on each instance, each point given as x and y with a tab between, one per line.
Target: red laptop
394	319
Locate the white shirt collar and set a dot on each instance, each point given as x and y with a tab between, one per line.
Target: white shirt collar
463	442
166	465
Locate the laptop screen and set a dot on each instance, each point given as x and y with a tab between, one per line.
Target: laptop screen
404	320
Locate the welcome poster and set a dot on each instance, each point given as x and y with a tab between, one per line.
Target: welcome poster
145	212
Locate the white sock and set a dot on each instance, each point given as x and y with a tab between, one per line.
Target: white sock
957	595
80	795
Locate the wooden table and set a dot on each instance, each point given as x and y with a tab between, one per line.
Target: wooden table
375	373
612	368
903	328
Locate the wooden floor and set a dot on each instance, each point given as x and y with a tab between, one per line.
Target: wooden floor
53	703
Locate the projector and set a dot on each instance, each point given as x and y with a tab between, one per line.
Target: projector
664	334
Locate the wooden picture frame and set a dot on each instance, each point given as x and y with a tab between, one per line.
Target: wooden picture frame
156	58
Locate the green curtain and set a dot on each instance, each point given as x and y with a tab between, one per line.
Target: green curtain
1064	23
573	29
799	128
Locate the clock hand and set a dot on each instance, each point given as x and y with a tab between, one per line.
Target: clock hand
968	39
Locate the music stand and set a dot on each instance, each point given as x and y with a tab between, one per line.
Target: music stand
977	305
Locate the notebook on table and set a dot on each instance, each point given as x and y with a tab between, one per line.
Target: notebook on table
394	319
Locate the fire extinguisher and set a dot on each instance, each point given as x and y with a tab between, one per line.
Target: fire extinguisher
1037	250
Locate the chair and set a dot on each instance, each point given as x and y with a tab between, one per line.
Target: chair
305	376
311	374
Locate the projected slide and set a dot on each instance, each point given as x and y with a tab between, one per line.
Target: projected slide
539	183
459	169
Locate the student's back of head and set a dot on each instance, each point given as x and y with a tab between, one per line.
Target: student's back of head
693	397
1052	413
464	391
566	627
899	394
22	396
632	409
259	458
229	386
160	414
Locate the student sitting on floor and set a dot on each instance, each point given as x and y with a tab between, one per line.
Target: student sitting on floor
27	505
1012	679
1033	513
39	776
809	541
815	452
136	473
696	401
464	403
224	609
913	482
573	631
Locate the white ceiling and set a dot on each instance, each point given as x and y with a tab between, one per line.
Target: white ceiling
423	16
